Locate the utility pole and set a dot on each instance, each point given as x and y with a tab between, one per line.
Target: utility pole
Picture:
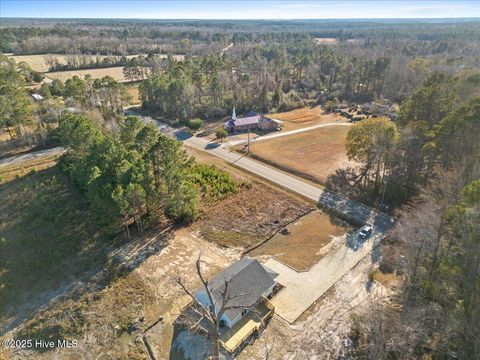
248	142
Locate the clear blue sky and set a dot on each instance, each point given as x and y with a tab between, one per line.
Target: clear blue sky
285	9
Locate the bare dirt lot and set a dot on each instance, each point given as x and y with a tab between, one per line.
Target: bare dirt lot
250	216
308	240
314	154
305	117
110	323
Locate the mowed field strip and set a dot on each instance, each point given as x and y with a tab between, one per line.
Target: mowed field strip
316	153
307	117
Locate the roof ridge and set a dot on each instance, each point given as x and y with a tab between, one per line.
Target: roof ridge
246	262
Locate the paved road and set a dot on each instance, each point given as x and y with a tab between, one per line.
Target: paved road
285	133
345	208
348	209
31	156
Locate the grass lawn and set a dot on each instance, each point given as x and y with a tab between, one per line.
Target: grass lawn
306	117
307	241
314	154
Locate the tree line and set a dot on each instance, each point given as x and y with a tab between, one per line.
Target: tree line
431	156
436	127
136	173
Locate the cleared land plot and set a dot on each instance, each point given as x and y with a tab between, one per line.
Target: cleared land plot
249	216
309	239
314	154
326	40
116	72
305	117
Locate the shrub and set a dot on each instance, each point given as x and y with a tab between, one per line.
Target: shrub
214	183
194	124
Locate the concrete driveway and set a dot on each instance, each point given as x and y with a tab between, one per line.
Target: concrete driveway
302	289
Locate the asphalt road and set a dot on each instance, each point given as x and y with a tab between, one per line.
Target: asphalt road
31	156
347	209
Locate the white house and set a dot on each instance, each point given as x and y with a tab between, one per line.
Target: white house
248	281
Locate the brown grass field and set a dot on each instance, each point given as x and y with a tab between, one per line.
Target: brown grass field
308	241
313	154
38	63
116	72
305	117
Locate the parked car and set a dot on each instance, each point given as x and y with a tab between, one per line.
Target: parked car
365	232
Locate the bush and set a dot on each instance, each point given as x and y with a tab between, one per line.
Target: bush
214	183
330	105
194	124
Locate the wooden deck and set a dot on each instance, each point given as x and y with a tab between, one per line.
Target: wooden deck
254	321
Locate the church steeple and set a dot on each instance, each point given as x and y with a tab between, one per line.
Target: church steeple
234	114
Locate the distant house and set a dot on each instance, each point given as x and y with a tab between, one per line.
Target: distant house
37	97
252	121
249	283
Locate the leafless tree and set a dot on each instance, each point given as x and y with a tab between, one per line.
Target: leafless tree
212	314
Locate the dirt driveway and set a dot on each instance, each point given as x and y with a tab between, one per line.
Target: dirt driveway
303	288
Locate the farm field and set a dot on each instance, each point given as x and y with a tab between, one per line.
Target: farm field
313	154
326	40
116	72
38	63
305	117
309	239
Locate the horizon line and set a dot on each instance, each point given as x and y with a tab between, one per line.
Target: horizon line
244	19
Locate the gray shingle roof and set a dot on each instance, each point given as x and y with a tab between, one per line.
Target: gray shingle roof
247	277
247	120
